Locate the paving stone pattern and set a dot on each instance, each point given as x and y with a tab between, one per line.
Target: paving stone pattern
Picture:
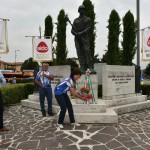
29	130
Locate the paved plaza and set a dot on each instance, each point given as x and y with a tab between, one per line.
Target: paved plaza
29	130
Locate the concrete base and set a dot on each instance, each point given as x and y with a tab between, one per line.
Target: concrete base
108	117
105	111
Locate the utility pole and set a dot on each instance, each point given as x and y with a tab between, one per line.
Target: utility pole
138	31
15	57
40	31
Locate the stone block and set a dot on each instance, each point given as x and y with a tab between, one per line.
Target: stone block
98	69
117	80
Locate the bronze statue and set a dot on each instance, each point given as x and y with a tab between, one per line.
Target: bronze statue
80	29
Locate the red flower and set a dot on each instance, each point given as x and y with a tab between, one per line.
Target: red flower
84	90
89	96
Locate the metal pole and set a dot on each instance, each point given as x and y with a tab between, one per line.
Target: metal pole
138	31
15	58
40	31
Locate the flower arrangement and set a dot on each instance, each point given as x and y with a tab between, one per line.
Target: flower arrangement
84	90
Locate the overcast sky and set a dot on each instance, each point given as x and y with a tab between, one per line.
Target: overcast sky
27	15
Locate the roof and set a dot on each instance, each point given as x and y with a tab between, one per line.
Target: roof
11	63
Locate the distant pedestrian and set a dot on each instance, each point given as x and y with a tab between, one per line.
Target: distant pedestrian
43	79
2	82
14	80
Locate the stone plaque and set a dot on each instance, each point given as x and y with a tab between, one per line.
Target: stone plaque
117	80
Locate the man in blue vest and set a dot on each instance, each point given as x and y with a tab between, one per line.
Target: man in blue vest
43	80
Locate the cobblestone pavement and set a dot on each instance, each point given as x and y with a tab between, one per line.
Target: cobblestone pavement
28	130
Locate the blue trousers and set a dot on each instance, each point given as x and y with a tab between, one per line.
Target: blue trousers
45	92
64	103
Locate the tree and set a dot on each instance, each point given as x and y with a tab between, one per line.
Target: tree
72	63
112	55
129	39
92	33
48	27
147	70
61	50
49	33
29	64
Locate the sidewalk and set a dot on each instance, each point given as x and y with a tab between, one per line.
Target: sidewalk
29	130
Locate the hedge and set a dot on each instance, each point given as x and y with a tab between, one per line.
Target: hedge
14	93
145	89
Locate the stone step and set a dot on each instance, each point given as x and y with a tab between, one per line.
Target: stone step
35	98
78	108
36	105
131	107
124	101
109	116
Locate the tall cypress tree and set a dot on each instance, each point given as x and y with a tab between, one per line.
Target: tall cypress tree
61	50
129	39
92	33
113	54
49	33
48	26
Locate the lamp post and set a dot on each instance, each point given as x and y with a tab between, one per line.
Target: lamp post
15	57
137	68
40	31
138	31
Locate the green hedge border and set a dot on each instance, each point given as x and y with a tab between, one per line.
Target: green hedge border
14	93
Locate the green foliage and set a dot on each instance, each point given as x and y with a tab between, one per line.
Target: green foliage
72	63
129	39
48	26
147	70
61	50
145	89
96	59
112	56
29	64
49	32
16	92
92	33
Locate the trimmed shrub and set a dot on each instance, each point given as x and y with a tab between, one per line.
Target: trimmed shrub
16	92
145	89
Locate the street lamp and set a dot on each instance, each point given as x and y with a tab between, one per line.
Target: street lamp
15	57
138	31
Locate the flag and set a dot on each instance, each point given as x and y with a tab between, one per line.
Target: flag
3	37
146	45
42	50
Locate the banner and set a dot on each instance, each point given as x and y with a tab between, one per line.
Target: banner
42	50
3	37
146	45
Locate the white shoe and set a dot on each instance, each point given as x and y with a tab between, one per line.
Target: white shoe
60	126
76	124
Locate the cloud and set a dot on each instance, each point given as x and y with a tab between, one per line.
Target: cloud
26	16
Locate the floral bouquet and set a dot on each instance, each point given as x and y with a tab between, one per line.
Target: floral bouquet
86	92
